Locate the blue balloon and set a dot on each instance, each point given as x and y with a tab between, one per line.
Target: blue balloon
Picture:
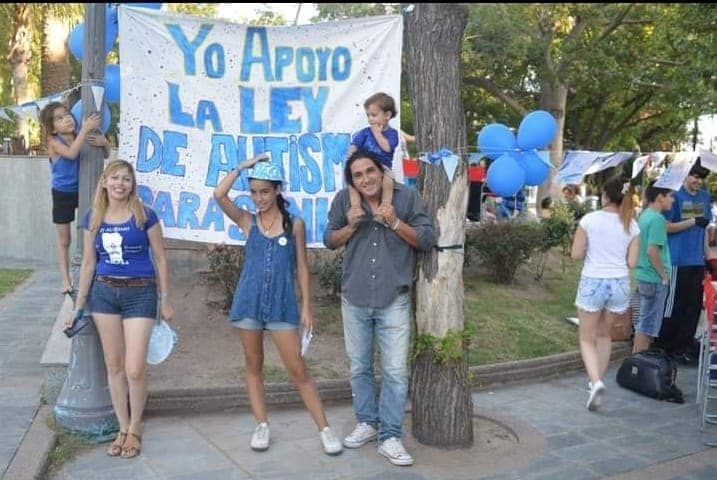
112	83
536	170
536	130
495	140
76	112
76	41
505	176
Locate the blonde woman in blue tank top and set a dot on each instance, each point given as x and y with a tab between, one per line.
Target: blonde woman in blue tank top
265	299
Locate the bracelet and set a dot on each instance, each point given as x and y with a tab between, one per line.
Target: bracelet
394	227
162	296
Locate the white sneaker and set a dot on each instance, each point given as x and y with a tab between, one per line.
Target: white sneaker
362	434
331	444
392	449
260	437
597	390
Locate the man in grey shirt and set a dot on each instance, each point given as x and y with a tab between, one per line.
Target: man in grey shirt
375	303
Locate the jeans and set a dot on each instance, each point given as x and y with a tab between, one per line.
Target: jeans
652	307
391	327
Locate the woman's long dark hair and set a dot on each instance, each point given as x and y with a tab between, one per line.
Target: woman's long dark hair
617	192
283	205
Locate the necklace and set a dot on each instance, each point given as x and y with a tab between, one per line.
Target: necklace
266	230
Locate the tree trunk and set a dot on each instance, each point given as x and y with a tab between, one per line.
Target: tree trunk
55	56
19	58
440	391
554	99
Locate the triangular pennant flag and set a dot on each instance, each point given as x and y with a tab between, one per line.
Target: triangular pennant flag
29	110
639	164
450	163
678	170
42	103
4	115
708	160
16	110
98	92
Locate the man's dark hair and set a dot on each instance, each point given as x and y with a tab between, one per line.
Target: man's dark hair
358	154
698	170
652	192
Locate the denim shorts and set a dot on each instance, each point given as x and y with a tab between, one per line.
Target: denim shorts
129	302
652	307
596	294
251	324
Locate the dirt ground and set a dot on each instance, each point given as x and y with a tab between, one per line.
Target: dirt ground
209	353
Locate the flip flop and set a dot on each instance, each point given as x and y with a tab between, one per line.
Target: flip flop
68	291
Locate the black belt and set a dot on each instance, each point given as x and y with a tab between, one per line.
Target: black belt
125	282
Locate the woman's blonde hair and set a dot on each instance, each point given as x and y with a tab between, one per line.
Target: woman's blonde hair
99	204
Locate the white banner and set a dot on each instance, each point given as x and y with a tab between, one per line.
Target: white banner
199	95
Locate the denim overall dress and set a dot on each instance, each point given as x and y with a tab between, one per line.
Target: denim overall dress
265	291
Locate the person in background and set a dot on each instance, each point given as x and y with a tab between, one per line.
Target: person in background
265	298
689	249
124	273
476	177
653	266
608	241
546	207
512	207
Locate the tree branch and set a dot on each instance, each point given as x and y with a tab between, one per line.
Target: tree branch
490	87
619	20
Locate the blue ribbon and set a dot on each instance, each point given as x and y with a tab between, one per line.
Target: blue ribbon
435	158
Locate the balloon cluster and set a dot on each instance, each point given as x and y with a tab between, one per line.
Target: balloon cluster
76	42
515	161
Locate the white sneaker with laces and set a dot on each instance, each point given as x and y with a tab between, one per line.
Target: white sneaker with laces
362	434
331	444
597	390
261	437
392	448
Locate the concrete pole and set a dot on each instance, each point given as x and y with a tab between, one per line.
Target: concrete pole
84	405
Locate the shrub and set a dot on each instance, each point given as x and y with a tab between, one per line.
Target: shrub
327	270
504	246
225	264
556	231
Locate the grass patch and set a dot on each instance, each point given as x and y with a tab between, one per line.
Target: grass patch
512	322
11	278
68	446
524	320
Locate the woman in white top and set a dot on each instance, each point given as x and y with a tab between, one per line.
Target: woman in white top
608	240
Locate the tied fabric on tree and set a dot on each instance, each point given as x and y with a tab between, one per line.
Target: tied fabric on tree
444	157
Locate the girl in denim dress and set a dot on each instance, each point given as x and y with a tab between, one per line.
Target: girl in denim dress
265	297
608	240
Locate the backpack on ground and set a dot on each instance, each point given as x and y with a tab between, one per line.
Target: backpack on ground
651	373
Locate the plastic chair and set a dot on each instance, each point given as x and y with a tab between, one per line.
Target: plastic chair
707	370
710	297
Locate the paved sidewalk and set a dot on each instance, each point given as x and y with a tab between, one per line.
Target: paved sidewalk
533	431
26	319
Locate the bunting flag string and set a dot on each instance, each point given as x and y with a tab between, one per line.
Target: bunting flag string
33	108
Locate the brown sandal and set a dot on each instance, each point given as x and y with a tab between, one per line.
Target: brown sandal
115	448
131	447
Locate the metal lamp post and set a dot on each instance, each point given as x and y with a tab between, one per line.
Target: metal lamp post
84	405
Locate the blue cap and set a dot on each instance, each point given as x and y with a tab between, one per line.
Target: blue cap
266	171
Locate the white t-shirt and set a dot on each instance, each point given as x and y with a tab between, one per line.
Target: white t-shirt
607	244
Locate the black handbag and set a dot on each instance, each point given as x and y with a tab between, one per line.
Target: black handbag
651	373
79	322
